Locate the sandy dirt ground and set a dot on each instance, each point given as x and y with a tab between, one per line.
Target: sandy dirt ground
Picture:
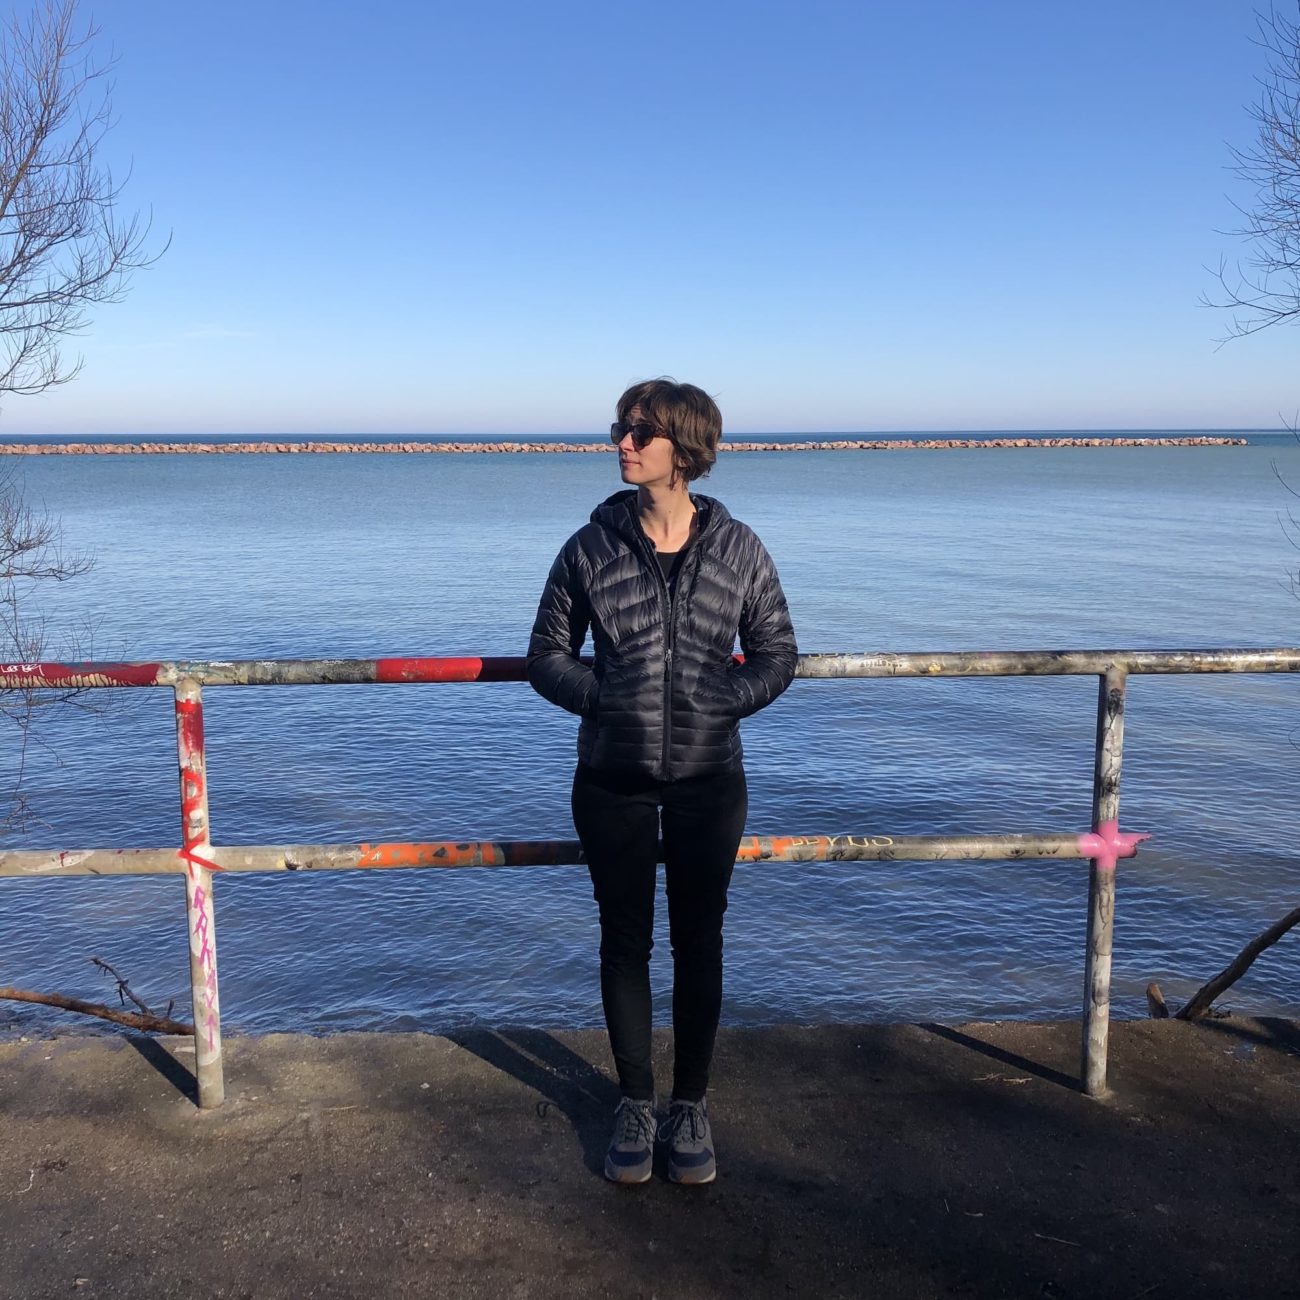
881	1161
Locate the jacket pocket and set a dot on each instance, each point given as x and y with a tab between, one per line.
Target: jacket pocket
717	696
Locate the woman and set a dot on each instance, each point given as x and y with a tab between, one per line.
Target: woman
666	581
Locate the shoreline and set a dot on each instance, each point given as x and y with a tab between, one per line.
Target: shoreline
506	447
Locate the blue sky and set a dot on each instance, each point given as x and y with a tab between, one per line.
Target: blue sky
433	218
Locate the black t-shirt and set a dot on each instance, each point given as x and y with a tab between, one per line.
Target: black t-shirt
670	562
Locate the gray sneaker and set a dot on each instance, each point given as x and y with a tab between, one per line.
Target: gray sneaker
690	1143
630	1158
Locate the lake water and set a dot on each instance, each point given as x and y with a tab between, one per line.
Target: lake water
302	556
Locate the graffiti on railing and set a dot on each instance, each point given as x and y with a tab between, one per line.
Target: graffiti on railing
194	792
194	825
396	855
195	835
202	908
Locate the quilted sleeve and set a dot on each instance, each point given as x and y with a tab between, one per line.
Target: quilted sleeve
554	670
766	639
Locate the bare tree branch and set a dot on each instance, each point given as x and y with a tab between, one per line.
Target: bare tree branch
1264	288
63	246
31	552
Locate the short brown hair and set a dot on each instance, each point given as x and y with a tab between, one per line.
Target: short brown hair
687	414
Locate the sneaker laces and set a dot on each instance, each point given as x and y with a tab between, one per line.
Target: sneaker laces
635	1120
683	1115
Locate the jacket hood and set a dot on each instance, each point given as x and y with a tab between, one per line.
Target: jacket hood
618	514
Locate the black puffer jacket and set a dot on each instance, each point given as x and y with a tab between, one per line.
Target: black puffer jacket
665	694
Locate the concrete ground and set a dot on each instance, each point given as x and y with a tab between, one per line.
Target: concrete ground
883	1161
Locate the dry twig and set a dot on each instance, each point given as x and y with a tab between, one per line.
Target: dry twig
123	988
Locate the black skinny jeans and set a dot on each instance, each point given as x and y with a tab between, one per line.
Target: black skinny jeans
618	821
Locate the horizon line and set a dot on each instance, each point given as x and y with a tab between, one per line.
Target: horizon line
738	434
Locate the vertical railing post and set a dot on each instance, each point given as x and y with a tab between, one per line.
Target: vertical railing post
196	853
1101	879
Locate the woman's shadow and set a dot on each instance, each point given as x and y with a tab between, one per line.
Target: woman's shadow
562	1079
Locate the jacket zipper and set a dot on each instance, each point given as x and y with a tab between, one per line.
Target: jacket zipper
670	637
670	609
668	687
670	630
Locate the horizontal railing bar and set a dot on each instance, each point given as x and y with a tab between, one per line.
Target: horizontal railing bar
537	853
948	663
1048	663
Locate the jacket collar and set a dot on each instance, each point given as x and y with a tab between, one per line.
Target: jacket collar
618	514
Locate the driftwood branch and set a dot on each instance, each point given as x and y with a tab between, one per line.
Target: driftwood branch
131	1019
1231	973
124	990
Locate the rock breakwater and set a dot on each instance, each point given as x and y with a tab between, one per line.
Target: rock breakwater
555	448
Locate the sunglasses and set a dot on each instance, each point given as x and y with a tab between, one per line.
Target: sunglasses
643	433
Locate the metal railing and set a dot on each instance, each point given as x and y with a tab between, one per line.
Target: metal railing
198	858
